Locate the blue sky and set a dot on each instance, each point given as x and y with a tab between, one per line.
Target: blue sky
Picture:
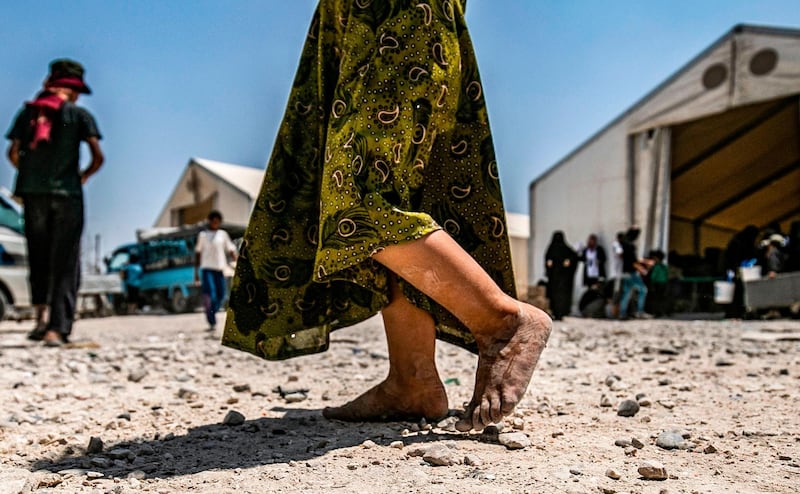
183	78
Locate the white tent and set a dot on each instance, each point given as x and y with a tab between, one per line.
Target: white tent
206	185
714	148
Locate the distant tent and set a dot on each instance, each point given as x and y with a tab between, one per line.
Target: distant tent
206	185
714	148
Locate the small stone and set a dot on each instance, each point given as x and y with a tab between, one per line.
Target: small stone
605	401
448	424
418	450
628	408
645	402
653	470
518	424
100	462
514	440
352	466
295	397
188	393
611	379
241	388
576	470
671	440
95	445
94	475
473	460
669	405
233	418
119	454
368	444
397	445
47	481
137	475
724	362
137	375
618	386
557	433
622	443
710	449
636	443
439	455
613	474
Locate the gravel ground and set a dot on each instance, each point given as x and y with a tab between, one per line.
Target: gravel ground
155	404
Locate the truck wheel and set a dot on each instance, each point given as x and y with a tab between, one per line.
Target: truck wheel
178	302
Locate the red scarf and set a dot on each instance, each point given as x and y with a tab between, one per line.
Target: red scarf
46	104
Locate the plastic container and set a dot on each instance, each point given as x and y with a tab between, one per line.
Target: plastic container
750	274
723	292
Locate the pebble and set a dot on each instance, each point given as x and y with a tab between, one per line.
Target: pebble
120	454
188	393
439	455
605	401
653	470
514	440
724	363
137	375
518	424
233	418
368	444
710	449
671	440
669	405
636	443
628	408
95	445
295	397
397	445
473	460
241	388
613	474
576	469
622	443
100	462
137	475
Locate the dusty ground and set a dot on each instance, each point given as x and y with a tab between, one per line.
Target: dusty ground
157	389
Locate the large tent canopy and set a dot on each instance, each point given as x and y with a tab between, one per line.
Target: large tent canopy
714	148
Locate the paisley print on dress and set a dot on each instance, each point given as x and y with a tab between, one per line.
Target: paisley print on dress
385	140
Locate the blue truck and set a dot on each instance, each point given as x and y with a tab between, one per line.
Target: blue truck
166	257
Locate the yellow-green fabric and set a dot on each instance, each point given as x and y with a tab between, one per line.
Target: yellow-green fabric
385	140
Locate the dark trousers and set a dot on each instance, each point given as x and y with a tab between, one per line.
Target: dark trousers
213	287
53	228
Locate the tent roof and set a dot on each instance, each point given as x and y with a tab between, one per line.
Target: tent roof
672	80
739	167
243	178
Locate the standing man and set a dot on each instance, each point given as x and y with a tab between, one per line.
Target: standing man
594	263
211	260
45	148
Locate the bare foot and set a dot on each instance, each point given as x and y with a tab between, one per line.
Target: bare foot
505	366
391	401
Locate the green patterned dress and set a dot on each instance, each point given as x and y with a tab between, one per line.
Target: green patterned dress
385	139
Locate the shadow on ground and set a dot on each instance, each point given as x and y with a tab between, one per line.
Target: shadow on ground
300	435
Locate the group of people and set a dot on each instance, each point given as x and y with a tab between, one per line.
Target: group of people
634	281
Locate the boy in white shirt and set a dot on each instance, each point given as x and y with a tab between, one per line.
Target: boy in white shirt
211	259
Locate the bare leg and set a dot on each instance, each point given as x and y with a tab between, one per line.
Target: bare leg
413	389
510	335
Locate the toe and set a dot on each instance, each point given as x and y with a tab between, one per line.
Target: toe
486	411
496	411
